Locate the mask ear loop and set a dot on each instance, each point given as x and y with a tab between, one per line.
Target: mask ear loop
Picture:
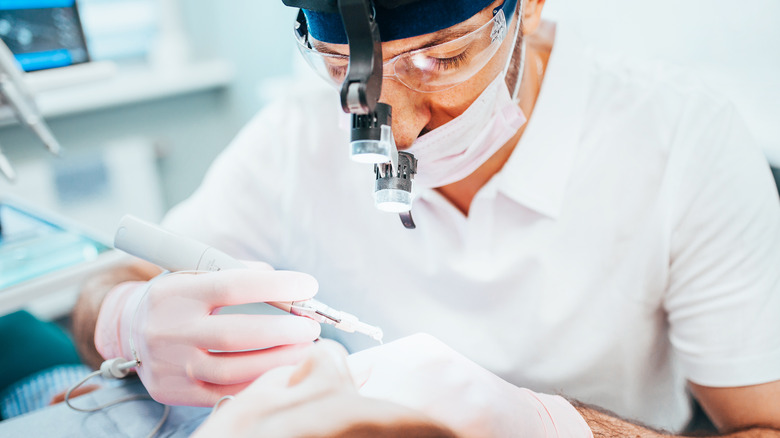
521	70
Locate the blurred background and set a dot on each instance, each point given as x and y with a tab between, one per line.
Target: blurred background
173	81
190	73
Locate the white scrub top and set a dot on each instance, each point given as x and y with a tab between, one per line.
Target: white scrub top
631	242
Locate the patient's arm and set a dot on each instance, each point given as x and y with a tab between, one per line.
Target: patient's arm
85	312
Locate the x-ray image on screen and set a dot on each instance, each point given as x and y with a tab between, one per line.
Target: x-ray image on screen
43	33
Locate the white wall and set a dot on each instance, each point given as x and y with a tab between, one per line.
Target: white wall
734	46
255	35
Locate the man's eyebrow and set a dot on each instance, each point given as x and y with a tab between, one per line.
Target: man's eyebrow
323	48
447	36
440	37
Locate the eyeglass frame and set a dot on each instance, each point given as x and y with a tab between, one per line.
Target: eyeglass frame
499	32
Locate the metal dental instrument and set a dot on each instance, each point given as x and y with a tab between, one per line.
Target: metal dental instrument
371	135
178	253
14	92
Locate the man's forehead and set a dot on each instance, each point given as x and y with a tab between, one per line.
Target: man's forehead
412	43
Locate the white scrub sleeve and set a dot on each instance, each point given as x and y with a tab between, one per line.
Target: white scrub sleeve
723	297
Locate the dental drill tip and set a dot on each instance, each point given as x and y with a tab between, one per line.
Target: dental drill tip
48	139
55	148
344	321
371	331
351	324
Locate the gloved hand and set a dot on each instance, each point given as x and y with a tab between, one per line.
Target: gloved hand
269	407
189	354
424	374
317	398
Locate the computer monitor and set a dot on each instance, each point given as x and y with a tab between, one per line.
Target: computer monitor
43	34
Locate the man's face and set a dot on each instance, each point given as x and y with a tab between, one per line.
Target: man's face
414	112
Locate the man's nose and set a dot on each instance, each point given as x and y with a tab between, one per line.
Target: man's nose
410	112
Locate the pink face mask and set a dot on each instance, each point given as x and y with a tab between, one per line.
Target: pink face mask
456	149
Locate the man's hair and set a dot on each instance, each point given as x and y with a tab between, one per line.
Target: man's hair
406	430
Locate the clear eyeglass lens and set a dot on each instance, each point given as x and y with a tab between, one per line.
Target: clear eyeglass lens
430	69
331	68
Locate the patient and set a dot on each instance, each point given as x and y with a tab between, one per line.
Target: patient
318	398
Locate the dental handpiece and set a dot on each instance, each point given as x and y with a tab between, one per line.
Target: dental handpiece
16	93
178	253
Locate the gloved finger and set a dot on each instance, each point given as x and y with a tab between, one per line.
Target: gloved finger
324	370
234	368
200	395
270	385
240	286
281	378
334	347
252	332
362	363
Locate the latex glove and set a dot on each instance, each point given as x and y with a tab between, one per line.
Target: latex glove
424	374
315	398
257	411
176	331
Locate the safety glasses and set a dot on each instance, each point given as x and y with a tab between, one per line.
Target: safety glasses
429	69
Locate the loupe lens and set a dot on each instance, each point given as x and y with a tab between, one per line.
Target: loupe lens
370	151
393	200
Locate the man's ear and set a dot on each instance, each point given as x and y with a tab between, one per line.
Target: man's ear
532	16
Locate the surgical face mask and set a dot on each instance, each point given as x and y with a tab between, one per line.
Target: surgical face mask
456	149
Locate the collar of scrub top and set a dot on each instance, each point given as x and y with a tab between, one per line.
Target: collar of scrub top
538	172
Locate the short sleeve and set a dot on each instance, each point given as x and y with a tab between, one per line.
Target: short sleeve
723	296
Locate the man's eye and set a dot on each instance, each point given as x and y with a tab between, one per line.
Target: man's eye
337	72
337	66
453	62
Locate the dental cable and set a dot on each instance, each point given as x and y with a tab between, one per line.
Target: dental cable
219	403
117	368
